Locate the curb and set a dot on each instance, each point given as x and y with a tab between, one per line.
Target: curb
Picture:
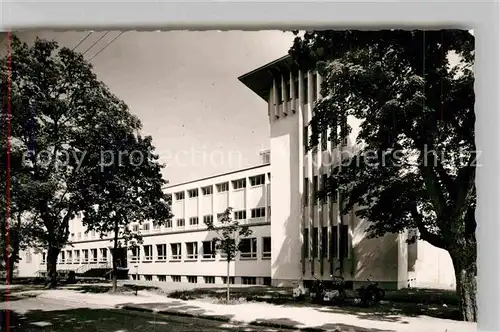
219	318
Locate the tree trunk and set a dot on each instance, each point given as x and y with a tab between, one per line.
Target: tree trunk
465	274
114	255
52	255
227	281
10	270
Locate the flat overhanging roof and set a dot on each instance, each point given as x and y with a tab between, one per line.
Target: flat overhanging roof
260	80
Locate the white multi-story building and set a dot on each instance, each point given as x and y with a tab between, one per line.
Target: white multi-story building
302	238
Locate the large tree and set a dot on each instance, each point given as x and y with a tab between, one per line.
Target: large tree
125	186
415	162
57	105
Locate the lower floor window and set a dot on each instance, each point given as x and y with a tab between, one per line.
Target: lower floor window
209	280
231	280
176	278
192	279
248	280
266	281
148	277
162	278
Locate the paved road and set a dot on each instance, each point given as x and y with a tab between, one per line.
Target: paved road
37	314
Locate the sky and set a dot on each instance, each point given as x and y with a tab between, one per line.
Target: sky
184	87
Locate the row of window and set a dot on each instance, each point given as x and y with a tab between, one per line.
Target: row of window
191	251
316	186
206	279
259	212
339	242
257	180
87	256
286	93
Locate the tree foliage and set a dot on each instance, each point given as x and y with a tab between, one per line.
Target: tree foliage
125	187
415	158
58	107
229	238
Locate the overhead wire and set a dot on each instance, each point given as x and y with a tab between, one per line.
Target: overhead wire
98	40
81	41
107	45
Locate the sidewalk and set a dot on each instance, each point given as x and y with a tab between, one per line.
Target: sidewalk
304	318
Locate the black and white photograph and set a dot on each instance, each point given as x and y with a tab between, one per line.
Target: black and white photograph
271	180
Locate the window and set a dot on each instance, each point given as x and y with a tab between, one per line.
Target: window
69	258
231	280
92	234
258	180
168	223
324	242
208	249
148	277
145	227
156	226
208	219
135	228
209	280
93	255
334	243
304	89
192	250
192	193
77	256
193	221
305	137
279	92
86	235
306	192
135	254
315	242
209	190
179	196
248	248
344	241
314	87
248	280
287	90
85	255
266	247
306	243
176	278
258	212
315	190
266	281
148	253
79	235
239	215
268	213
181	222
296	87
176	250
161	252
162	278
44	258
222	187
192	279
239	184
63	257
104	255
324	140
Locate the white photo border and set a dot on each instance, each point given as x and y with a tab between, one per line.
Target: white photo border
482	16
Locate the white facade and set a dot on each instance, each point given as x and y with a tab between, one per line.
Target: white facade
309	238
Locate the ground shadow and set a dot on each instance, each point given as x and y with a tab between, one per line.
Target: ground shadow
91	320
